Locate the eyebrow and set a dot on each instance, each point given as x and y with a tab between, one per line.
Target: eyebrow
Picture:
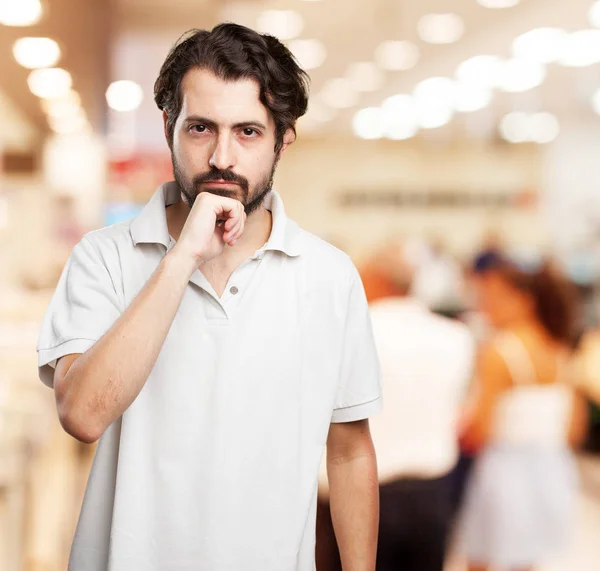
213	125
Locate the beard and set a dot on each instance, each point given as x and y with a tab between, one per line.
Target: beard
252	199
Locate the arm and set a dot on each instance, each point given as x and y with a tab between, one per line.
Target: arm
354	493
578	427
95	388
492	379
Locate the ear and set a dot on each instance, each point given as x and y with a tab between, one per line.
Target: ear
288	138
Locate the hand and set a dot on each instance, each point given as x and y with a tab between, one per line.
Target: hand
213	222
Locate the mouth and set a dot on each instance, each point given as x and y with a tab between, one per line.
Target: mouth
220	183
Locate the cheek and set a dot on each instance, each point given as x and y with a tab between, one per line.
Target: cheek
258	166
190	158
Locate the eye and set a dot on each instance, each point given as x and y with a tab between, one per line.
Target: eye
249	132
198	128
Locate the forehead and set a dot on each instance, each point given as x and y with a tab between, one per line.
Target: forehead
206	95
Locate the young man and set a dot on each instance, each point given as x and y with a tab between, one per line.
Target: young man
214	347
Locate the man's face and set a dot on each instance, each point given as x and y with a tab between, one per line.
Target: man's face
223	140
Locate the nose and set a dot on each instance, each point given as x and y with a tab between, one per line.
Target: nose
223	156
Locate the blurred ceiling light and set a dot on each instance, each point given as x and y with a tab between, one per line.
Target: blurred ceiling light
71	98
519	75
435	91
469	98
309	53
49	82
398	106
124	95
34	53
441	28
434	102
581	49
434	118
402	132
514	127
58	108
339	93
400	117
596	102
482	70
594	14
520	127
543	127
397	55
20	12
498	4
69	125
369	123
283	24
365	76
542	45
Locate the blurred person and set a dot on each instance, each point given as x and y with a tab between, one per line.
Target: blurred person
375	275
525	418
214	347
438	280
427	363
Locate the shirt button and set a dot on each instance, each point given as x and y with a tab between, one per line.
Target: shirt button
234	290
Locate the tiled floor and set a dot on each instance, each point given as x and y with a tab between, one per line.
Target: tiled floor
585	552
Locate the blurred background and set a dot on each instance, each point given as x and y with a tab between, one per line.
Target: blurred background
454	126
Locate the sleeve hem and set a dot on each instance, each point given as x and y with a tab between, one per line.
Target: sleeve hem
357	412
47	357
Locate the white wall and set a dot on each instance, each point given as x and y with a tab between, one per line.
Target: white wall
312	174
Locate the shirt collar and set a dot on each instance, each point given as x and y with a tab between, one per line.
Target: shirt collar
150	226
284	232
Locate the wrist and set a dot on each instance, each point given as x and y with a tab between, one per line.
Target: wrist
182	262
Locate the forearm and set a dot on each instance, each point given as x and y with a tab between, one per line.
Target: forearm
354	501
103	382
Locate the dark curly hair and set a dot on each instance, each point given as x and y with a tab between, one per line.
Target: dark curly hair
234	52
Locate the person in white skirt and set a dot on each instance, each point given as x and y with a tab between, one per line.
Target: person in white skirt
525	419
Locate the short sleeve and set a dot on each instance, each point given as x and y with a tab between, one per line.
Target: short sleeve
359	391
83	308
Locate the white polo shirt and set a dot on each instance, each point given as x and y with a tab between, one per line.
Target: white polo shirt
214	466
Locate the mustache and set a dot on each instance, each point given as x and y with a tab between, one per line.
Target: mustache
220	175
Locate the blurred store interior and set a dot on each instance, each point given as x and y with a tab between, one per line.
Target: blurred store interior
447	124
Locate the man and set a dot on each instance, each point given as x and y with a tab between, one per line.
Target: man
426	365
214	347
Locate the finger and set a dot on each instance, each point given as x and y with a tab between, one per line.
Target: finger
231	223
228	208
236	233
235	222
234	236
230	237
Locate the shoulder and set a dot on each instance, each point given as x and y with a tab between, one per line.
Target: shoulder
110	235
322	258
105	245
457	331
